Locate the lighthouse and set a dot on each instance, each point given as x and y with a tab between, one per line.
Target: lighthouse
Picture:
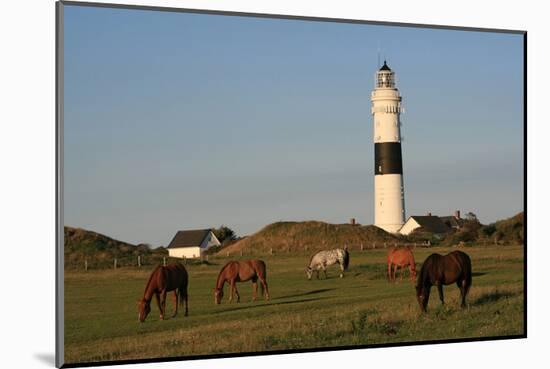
389	194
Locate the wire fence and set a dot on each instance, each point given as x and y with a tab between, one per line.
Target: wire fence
146	261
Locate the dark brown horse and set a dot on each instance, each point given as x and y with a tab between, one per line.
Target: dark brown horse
241	271
400	258
442	270
164	279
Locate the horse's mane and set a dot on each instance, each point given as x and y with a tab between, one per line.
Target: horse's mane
221	272
428	264
312	256
151	278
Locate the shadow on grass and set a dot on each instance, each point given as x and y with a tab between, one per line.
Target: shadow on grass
478	274
268	304
314	292
493	296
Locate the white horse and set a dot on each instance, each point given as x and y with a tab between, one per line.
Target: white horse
323	259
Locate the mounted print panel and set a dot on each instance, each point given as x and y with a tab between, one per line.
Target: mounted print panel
217	195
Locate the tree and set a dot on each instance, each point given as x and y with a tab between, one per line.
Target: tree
224	234
471	216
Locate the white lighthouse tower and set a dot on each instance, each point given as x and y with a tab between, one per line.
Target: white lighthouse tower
389	194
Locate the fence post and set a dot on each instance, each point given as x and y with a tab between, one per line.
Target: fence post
384	245
206	257
271	251
114	264
227	254
86	264
241	252
164	260
361	246
373	245
139	261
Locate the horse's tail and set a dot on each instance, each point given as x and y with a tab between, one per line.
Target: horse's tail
468	263
263	270
345	261
182	290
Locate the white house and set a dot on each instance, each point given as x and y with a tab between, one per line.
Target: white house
192	243
428	223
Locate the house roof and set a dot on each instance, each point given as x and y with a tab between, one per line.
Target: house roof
452	221
431	223
189	238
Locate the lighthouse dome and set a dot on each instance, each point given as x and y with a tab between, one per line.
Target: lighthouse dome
385	67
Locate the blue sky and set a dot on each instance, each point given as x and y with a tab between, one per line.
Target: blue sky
180	121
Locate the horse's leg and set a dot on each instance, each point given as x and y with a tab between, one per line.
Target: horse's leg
317	271
440	290
266	290
389	271
157	298
325	270
394	271
254	288
231	286
175	302
237	292
462	287
342	270
162	304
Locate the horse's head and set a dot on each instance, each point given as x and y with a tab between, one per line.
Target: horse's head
309	272
413	273
144	308
218	295
422	295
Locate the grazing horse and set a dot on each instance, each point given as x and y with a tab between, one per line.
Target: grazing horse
400	258
325	258
442	270
241	271
172	277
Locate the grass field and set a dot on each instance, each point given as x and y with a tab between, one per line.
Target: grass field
362	308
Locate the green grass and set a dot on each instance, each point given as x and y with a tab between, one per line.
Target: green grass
362	308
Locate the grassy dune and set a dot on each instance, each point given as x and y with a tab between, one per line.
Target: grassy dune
313	235
101	315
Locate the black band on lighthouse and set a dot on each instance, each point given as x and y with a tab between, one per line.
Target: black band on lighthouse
387	158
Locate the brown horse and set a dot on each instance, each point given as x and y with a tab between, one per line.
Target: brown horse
172	277
241	271
400	258
443	270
